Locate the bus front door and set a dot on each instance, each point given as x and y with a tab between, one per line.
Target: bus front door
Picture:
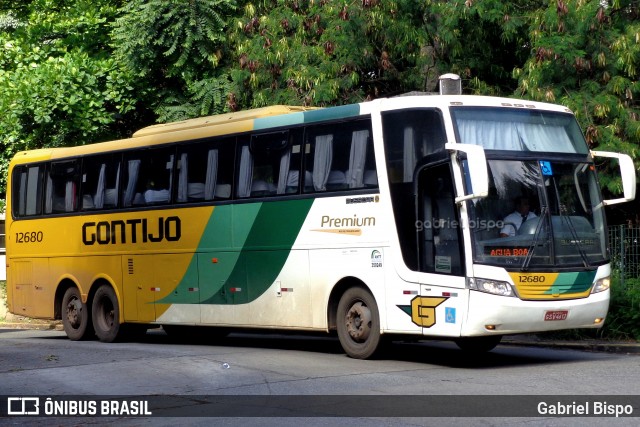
441	305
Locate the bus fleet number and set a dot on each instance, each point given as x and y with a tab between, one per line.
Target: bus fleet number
532	279
29	237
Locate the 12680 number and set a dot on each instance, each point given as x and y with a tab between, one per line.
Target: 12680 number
533	279
30	237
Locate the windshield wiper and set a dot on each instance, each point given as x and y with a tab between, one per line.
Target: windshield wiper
534	239
574	235
562	209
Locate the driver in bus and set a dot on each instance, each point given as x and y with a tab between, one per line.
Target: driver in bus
514	220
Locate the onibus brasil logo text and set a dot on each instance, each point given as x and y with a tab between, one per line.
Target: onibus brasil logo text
37	406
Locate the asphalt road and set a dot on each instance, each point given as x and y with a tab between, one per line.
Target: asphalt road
310	377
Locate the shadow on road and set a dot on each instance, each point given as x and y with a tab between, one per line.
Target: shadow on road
444	353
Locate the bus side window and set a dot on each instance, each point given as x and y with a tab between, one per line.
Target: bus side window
290	165
339	157
318	160
410	135
148	177
62	186
265	167
27	190
100	180
205	171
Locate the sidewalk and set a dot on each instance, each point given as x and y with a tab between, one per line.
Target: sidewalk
584	344
12	321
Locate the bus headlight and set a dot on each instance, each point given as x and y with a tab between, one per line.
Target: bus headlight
496	287
601	285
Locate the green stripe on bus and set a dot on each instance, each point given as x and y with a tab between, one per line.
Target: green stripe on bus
570	283
266	249
277	121
240	274
320	115
332	113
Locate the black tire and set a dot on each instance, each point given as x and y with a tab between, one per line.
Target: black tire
478	344
76	318
106	314
358	323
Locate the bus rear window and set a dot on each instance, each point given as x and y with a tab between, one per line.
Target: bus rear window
27	190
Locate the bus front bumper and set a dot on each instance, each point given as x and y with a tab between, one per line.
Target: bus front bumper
497	315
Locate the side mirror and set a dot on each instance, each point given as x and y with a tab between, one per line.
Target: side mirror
627	172
478	178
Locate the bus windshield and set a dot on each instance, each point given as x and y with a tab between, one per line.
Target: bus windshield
539	213
517	129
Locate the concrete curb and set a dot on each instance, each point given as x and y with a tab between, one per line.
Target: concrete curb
38	325
585	345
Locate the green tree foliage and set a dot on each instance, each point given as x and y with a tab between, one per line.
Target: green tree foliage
59	85
73	70
177	48
329	52
585	54
481	40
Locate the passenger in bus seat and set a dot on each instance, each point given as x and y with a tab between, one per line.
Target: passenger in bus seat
514	220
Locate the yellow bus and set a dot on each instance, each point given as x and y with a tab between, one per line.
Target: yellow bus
372	220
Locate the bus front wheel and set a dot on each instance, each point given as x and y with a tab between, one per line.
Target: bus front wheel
76	319
358	323
106	314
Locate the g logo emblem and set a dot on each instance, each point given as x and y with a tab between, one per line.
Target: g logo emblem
423	310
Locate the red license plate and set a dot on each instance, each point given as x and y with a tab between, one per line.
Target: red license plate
556	315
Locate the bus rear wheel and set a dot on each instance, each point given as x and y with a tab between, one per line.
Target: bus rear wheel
106	314
358	323
76	319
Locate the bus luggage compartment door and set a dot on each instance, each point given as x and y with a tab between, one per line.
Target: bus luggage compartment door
155	285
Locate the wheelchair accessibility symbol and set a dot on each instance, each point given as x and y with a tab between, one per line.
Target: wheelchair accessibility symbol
545	167
449	315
